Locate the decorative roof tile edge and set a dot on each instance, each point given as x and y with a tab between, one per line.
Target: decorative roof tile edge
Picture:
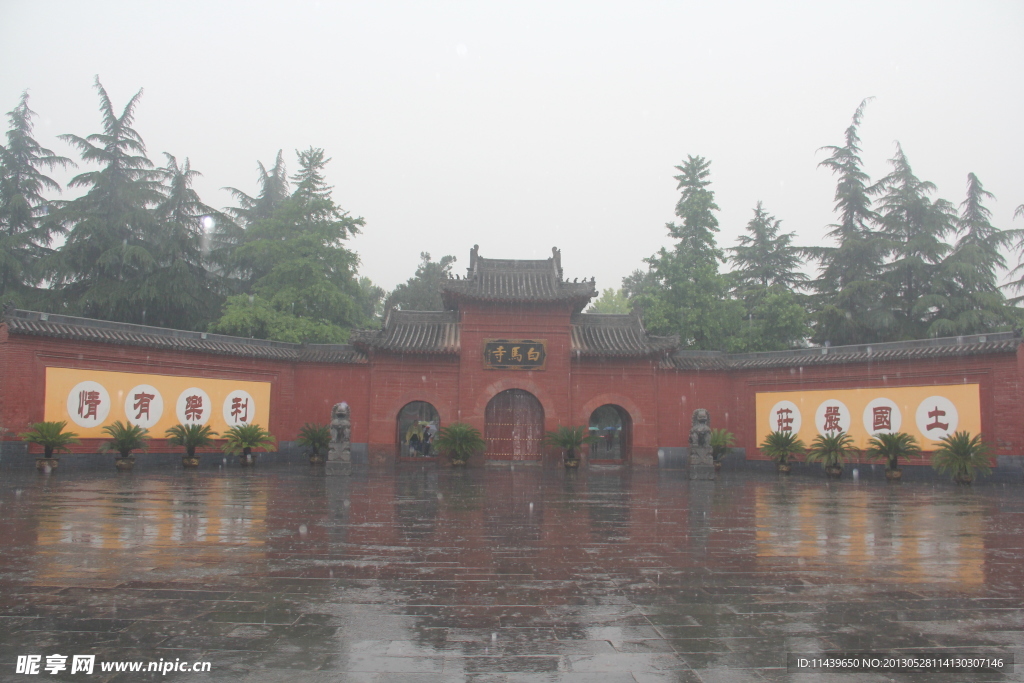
964	345
40	324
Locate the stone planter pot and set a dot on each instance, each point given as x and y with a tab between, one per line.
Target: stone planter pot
47	464
783	467
190	462
894	475
834	472
317	460
124	464
963	479
246	459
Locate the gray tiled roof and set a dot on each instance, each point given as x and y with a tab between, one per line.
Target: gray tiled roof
525	281
617	336
413	332
969	345
33	323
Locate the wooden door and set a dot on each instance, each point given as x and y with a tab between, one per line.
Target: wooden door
514	426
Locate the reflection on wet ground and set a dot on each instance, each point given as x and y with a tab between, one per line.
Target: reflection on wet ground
495	575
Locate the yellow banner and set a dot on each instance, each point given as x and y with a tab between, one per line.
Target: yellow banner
91	399
928	413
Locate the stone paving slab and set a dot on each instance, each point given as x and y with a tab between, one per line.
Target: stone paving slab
497	575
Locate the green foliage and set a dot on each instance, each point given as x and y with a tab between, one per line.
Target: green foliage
962	456
831	449
765	258
914	228
967	296
691	297
781	446
102	267
850	297
25	231
291	257
125	438
243	438
892	447
459	441
51	436
190	437
611	301
570	440
315	437
422	292
255	317
721	441
776	319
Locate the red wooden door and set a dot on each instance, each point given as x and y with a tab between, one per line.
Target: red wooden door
514	426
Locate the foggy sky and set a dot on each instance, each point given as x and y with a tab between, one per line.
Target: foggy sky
522	126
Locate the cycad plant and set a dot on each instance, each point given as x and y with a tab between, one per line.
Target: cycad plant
190	437
962	456
570	440
315	437
780	447
51	436
892	447
241	439
125	438
459	441
721	441
831	450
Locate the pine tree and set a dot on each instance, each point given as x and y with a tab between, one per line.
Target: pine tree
849	306
765	258
1018	284
766	274
422	292
693	301
25	232
301	281
229	232
915	229
107	256
969	300
180	292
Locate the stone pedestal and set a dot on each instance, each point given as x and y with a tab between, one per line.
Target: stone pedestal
702	465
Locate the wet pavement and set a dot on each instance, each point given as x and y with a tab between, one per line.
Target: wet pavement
426	574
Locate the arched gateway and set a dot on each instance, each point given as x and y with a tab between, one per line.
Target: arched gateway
613	427
514	426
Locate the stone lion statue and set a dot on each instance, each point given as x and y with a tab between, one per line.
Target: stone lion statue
700	428
341	431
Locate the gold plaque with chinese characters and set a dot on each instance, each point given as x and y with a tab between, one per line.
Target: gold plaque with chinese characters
514	354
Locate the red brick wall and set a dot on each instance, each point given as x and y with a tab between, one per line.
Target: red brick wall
998	377
299	392
660	402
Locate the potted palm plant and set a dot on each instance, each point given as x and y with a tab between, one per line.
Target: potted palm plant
962	456
892	447
721	441
241	439
781	447
190	437
570	440
316	438
52	437
831	450
459	441
125	438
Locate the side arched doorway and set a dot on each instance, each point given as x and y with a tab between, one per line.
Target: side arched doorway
514	426
417	425
613	426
